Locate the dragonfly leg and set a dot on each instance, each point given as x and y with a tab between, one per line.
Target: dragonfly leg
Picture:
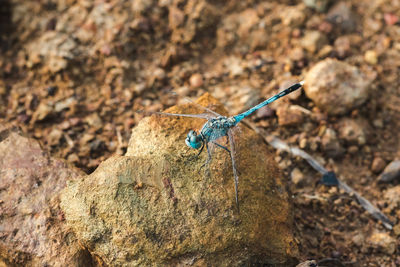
209	157
201	150
223	147
235	174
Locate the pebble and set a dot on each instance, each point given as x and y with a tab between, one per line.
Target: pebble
318	5
391	172
94	121
330	143
288	115
313	41
377	165
371	57
308	263
196	80
383	242
342	46
264	112
54	137
390	19
43	111
336	87
297	176
342	16
392	197
73	158
353	131
293	16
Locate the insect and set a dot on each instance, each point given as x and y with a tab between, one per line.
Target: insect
218	126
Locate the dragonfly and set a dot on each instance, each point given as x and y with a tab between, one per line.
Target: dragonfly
218	126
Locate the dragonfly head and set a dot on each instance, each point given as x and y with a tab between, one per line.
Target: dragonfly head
193	140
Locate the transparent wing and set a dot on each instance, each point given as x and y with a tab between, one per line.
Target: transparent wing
235	174
205	116
198	105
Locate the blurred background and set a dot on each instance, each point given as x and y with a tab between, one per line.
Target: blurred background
73	73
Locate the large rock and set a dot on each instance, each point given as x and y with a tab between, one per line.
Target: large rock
32	229
155	206
336	87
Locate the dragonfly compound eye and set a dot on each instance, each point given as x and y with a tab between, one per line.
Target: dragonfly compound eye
193	140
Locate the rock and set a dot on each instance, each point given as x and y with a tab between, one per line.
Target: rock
336	87
196	80
32	226
377	165
310	263
297	176
371	57
382	241
392	197
293	16
343	46
391	172
319	5
154	206
43	111
288	115
54	137
353	131
341	16
330	143
313	41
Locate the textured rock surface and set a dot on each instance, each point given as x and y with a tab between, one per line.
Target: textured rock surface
32	230
336	87
154	206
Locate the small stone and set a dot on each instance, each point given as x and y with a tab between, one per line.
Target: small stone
54	137
377	165
310	263
288	115
86	138
73	158
297	176
352	150
313	41
94	121
196	80
390	19
392	197
318	5
383	242
342	16
396	229
264	112
43	111
353	131
293	16
330	143
378	123
336	87
342	46
303	143
371	57
358	239
391	172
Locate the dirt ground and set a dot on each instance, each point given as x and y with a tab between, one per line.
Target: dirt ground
73	73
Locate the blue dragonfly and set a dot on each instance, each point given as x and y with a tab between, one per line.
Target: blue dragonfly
218	126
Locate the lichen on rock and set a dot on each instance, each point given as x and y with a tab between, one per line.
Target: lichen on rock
156	206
